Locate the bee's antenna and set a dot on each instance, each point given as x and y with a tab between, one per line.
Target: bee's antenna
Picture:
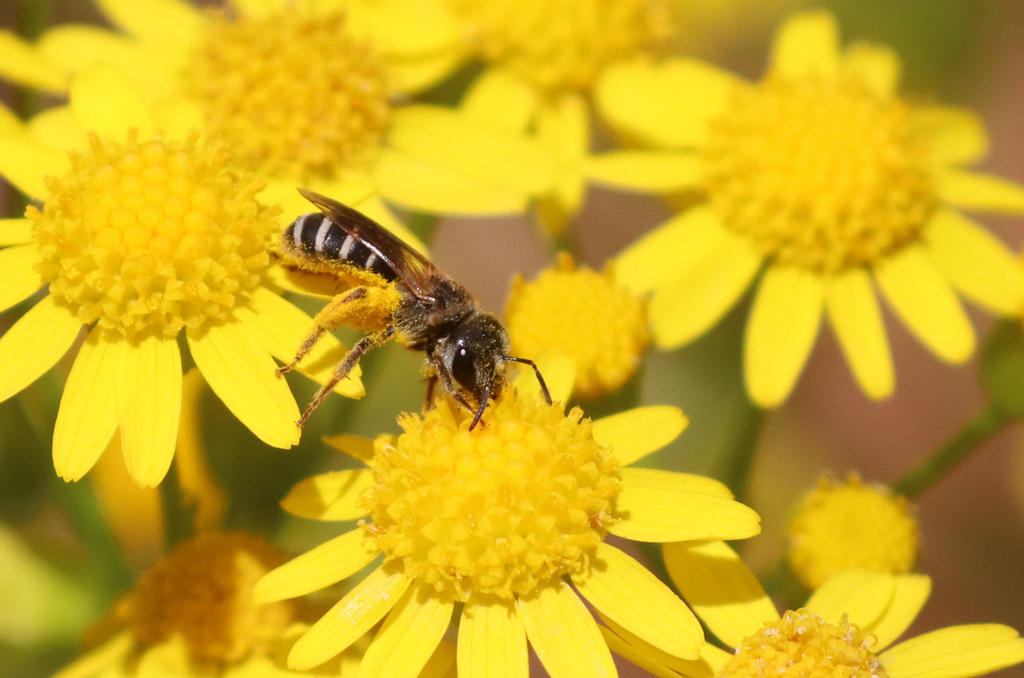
483	405
540	378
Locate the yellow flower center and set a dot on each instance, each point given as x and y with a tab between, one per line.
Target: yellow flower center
803	644
522	499
152	235
821	174
291	93
584	315
202	591
841	526
564	44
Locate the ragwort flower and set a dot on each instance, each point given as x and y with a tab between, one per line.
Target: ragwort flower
822	176
492	520
849	525
141	237
846	629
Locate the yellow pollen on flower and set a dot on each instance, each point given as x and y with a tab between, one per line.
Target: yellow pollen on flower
291	93
803	644
841	526
202	591
152	234
823	175
564	44
520	500
584	315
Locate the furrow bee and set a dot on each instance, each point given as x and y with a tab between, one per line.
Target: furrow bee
395	293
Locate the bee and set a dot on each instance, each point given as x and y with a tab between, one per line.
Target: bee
395	293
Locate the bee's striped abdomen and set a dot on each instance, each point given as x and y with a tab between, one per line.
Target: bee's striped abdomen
317	237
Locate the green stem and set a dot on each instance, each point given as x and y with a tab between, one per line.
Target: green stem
986	424
734	464
179	519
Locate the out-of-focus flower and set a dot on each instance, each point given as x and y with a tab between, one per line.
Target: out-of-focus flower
820	175
494	518
849	525
141	237
581	314
847	629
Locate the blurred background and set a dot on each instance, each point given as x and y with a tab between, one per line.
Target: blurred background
961	52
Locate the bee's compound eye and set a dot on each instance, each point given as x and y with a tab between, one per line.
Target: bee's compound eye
464	368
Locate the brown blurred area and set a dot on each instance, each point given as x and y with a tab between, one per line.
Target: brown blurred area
972	521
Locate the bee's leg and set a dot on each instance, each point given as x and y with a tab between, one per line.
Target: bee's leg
428	400
330	316
450	388
367	343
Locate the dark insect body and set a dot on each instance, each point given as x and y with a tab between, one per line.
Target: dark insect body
397	293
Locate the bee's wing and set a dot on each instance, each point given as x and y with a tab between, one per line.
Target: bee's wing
415	270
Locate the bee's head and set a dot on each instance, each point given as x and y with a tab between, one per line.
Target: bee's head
474	354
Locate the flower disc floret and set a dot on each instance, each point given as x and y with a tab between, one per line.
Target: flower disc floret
152	234
582	314
824	175
803	644
521	500
564	44
846	525
202	591
290	93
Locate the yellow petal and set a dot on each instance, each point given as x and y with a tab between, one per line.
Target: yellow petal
807	46
330	496
15	231
10	123
646	657
256	9
409	636
876	66
502	98
664	506
670	250
421	185
175	118
167	658
863	596
955	652
405	28
638	432
563	126
34	343
87	418
356	447
454	141
199	487
104	101
781	332
148	399
409	77
977	191
24	162
624	590
58	127
243	376
720	589
18	277
322	566
687	307
23	63
976	262
279	328
174	23
954	135
563	634
908	598
656	172
442	663
94	663
492	641
857	321
668	105
926	304
349	619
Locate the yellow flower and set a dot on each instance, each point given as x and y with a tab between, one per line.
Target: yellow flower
493	519
820	175
141	237
846	629
192	615
301	92
848	525
581	314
